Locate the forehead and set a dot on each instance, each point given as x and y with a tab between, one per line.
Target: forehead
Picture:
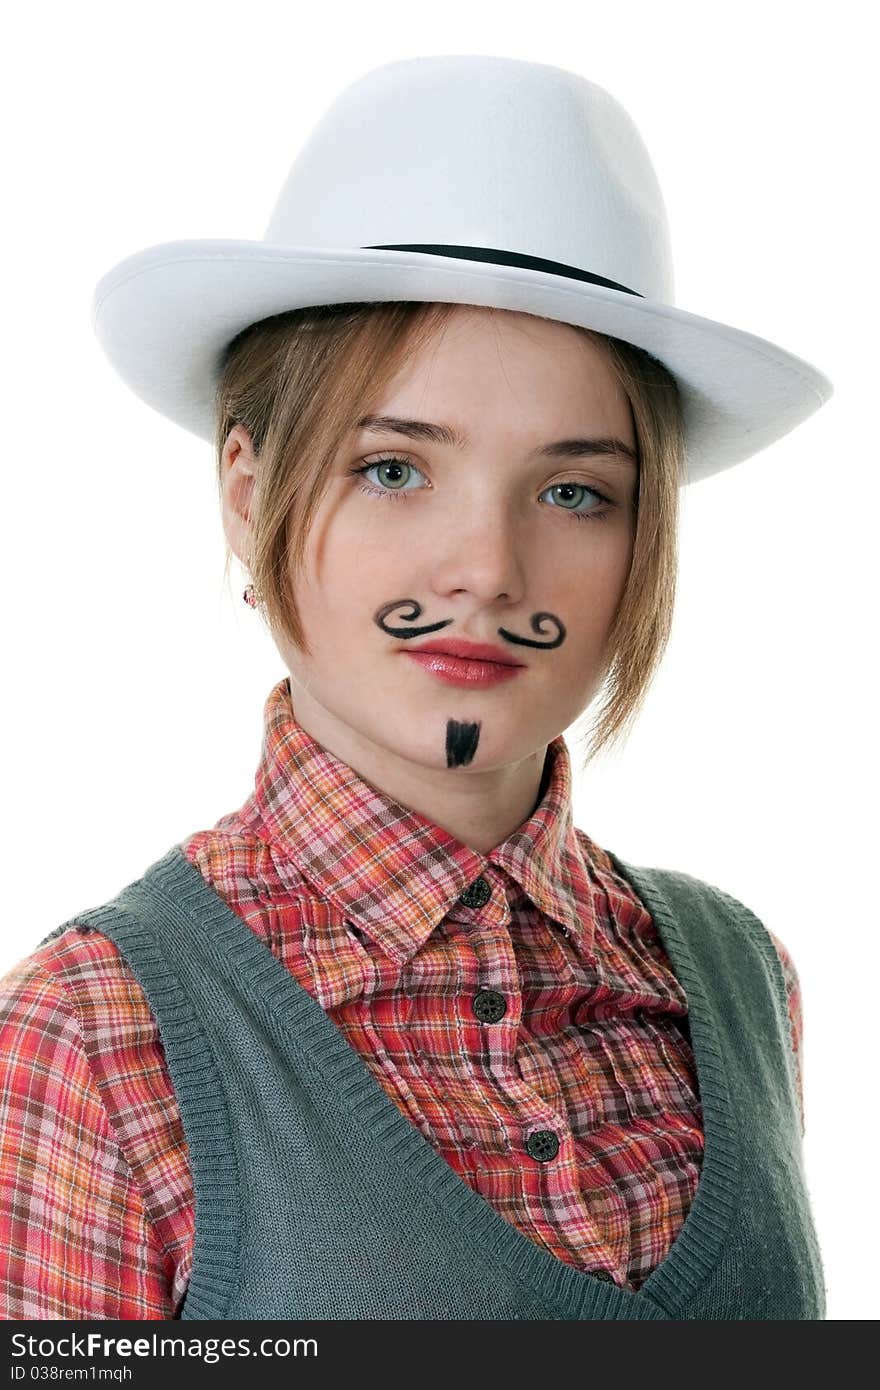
478	364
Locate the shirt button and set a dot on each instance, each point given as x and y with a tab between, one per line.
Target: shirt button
478	894
488	1005
603	1274
543	1145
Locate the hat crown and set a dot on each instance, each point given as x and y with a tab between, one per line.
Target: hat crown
482	151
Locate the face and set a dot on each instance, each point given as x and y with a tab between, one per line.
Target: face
494	540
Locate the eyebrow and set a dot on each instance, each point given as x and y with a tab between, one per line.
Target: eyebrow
442	434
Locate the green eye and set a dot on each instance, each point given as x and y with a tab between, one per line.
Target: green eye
596	513
562	487
391	465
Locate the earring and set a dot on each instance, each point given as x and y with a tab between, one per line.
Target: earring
250	593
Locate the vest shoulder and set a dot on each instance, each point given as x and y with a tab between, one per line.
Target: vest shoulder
727	925
683	889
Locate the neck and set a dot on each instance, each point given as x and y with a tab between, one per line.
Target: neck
478	808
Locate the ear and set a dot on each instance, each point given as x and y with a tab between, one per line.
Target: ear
239	466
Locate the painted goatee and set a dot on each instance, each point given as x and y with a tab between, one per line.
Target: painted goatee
461	742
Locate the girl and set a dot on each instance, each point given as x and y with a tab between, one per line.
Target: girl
395	1039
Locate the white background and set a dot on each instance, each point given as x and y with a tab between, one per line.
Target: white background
134	682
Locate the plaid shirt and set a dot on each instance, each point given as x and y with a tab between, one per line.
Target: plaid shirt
360	899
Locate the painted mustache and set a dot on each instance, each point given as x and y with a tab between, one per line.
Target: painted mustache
537	621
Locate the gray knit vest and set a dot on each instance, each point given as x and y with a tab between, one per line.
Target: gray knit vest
317	1198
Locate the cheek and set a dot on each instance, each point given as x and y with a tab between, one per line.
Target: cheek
610	565
586	583
357	548
338	607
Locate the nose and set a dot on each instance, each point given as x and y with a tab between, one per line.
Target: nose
481	552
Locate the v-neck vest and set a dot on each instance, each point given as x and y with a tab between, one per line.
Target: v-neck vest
317	1198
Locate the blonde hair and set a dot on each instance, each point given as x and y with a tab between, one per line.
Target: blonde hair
299	381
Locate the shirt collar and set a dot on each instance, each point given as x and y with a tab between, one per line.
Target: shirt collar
394	874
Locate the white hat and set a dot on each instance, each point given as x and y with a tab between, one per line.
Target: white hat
472	180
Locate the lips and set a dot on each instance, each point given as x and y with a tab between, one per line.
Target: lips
461	671
468	651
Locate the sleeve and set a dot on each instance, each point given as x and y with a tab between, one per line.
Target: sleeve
75	1240
795	1018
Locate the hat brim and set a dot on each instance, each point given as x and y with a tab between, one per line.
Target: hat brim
164	316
